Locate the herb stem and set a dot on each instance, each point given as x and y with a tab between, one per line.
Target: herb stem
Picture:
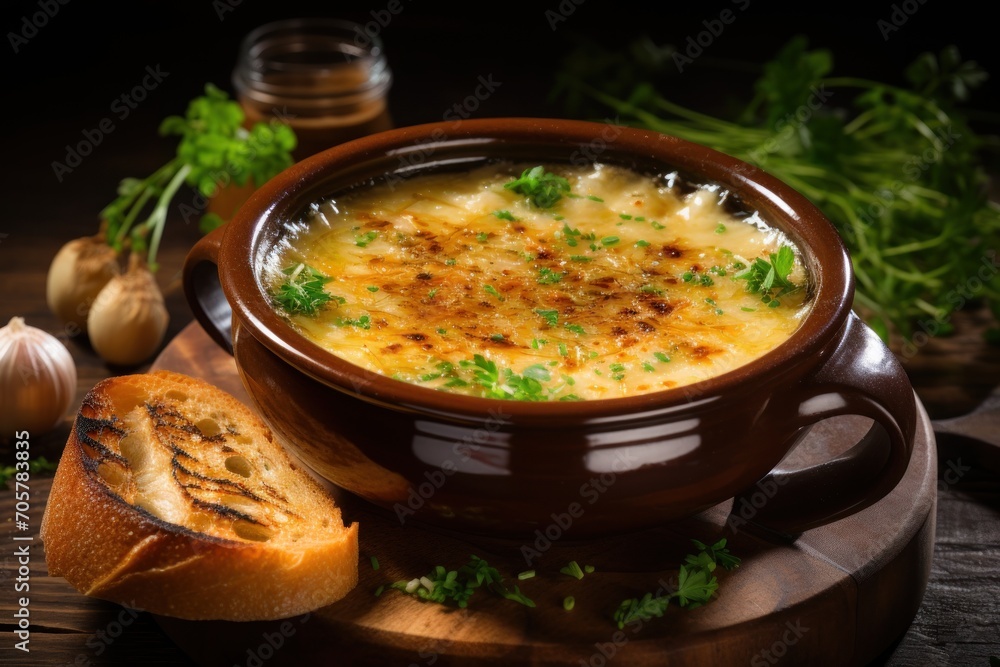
159	216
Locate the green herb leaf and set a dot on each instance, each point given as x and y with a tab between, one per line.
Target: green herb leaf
543	189
505	215
551	316
302	291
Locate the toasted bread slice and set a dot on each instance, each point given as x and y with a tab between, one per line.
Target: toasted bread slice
171	496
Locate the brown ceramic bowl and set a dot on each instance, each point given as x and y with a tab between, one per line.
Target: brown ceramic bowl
510	468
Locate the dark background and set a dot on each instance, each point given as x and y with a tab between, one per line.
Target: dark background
65	78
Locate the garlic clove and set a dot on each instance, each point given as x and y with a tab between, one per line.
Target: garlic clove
77	274
37	379
128	319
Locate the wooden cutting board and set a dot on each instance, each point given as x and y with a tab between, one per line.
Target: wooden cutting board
839	595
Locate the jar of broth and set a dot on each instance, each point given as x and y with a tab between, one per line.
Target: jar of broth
325	78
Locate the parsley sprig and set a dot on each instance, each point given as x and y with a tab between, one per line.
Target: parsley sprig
769	278
499	382
696	585
442	586
302	291
543	189
897	169
214	149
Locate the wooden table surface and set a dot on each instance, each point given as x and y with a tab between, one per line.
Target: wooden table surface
956	625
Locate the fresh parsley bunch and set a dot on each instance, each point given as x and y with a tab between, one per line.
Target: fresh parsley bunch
898	170
214	150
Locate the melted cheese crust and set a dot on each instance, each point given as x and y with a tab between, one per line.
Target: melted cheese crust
625	287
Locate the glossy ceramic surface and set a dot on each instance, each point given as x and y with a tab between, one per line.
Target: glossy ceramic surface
594	467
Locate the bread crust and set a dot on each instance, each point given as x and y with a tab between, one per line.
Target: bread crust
108	548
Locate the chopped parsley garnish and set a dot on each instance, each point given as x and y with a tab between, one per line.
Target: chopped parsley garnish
770	278
442	586
363	322
610	240
661	357
450	261
551	316
696	584
563	352
570	235
302	291
575	328
505	383
432	293
537	343
595	198
648	367
651	289
641	244
491	290
547	276
639	218
572	570
692	277
543	189
721	229
580	258
657	225
482	237
372	288
498	337
624	216
363	240
374	563
617	371
569	602
505	215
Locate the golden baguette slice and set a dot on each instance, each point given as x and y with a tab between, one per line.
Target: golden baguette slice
171	496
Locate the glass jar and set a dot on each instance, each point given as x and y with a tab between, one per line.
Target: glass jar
325	78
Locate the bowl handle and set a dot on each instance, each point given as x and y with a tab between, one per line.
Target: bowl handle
858	376
204	290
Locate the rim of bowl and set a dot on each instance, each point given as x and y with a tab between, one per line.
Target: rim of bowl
285	196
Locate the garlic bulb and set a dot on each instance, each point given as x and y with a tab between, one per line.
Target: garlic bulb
128	320
37	379
77	273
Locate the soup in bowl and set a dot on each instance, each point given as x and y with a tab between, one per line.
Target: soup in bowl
471	325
